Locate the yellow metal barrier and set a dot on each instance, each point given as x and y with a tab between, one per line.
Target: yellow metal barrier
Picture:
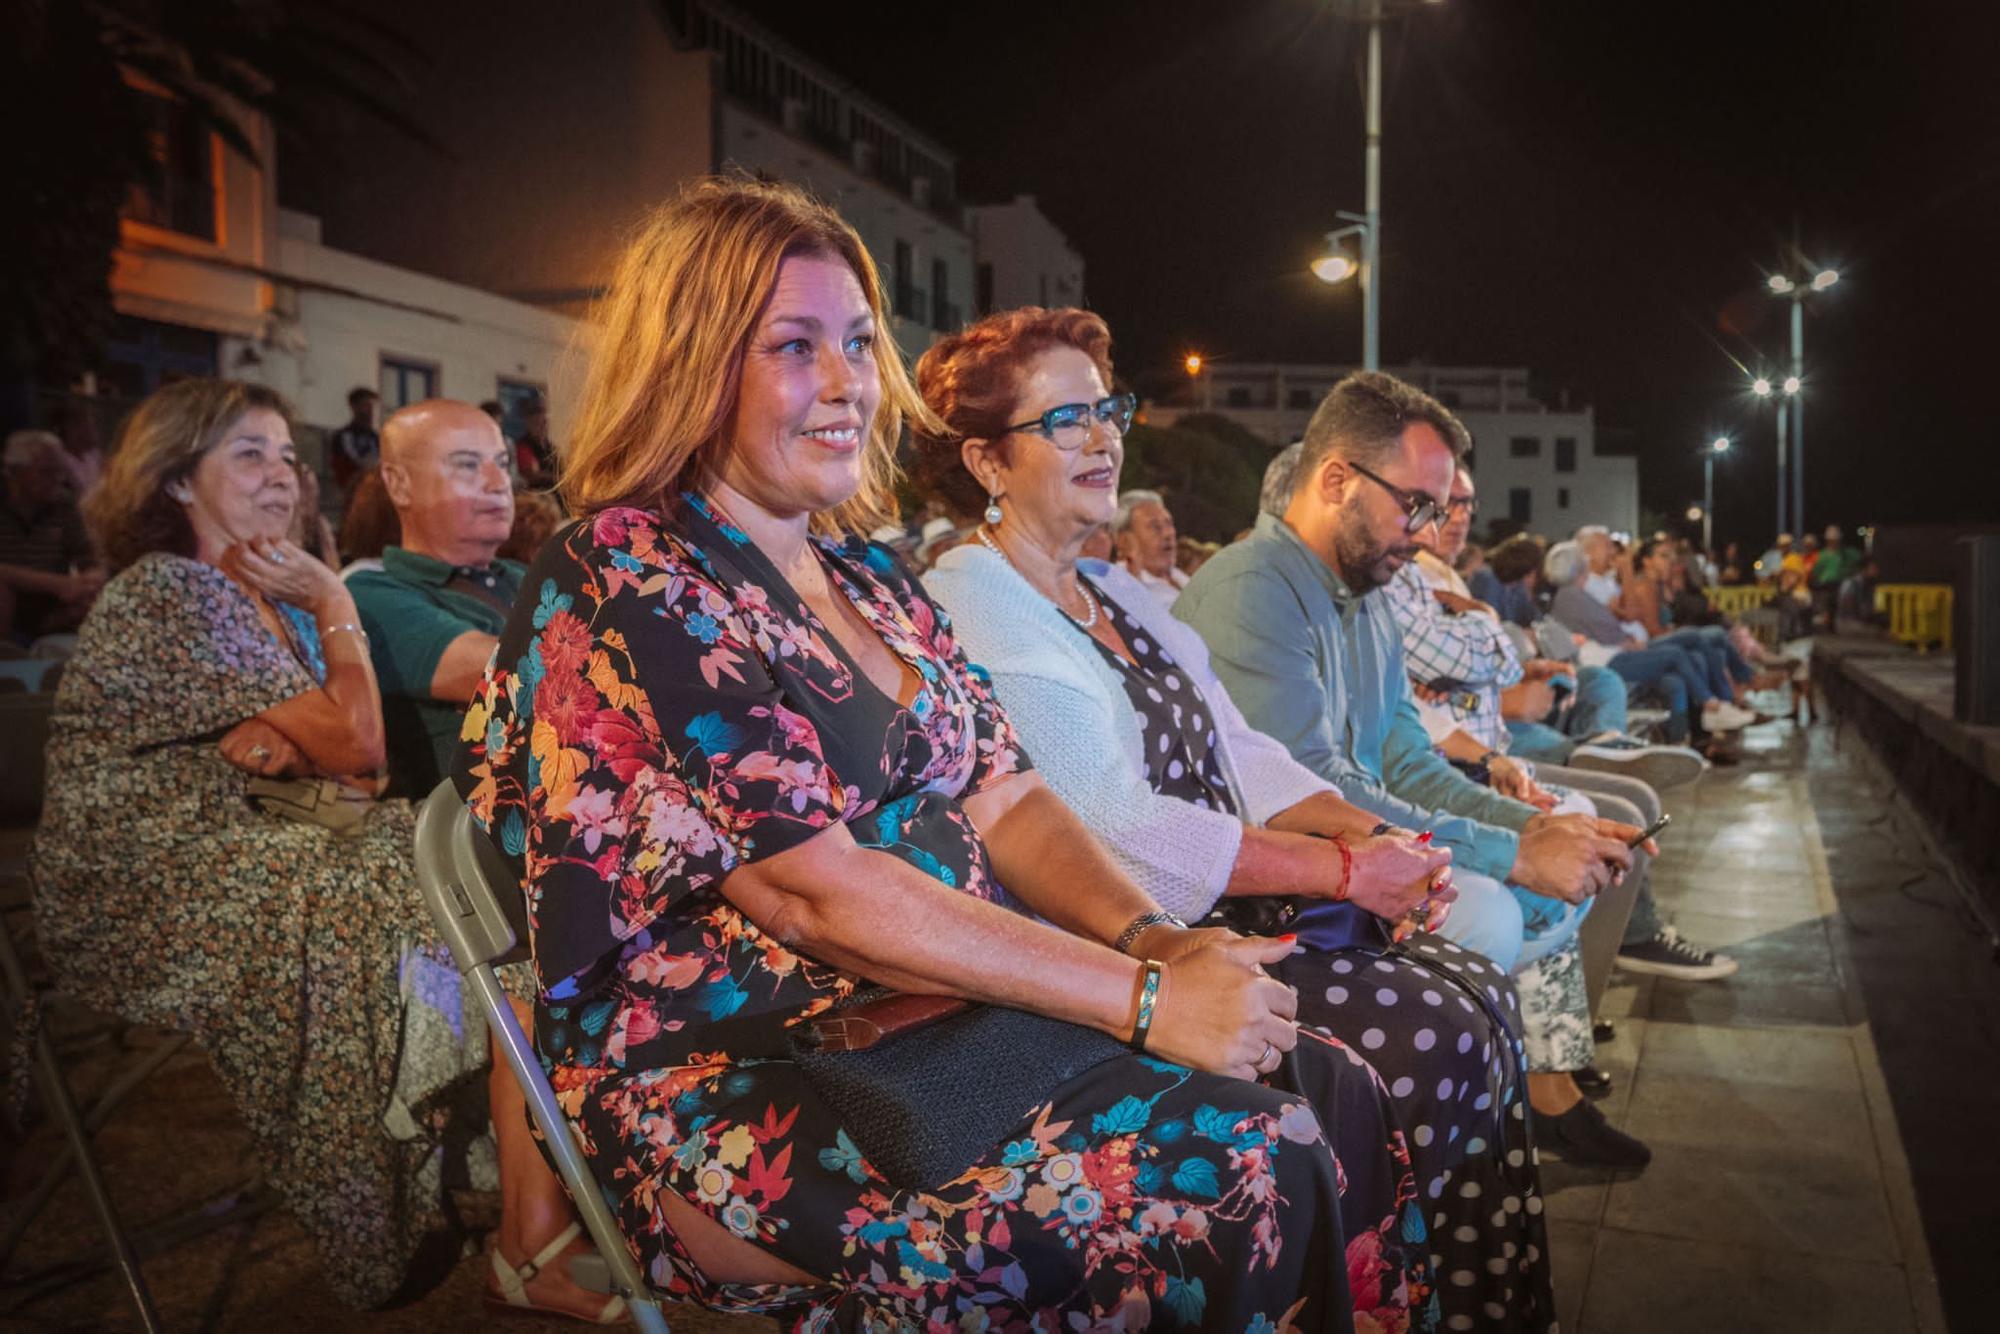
1919	614
1736	599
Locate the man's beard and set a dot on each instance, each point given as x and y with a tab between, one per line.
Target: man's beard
1363	563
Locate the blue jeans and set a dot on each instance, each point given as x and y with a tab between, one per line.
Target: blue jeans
1512	926
1711	644
1599	707
1673	672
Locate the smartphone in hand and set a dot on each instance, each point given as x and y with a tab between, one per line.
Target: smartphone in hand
1650	830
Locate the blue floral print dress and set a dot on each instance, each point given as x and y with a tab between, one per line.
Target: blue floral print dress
662	709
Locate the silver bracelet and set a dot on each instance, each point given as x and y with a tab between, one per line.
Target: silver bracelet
348	626
1138	924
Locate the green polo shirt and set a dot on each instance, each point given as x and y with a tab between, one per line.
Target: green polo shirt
413	608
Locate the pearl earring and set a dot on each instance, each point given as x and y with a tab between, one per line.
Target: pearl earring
992	515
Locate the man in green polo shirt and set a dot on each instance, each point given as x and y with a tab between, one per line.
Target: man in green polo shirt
434	610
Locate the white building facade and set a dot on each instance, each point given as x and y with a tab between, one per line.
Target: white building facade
1020	258
212	277
1537	466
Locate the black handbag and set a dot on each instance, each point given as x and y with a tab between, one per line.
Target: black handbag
928	1102
925	1086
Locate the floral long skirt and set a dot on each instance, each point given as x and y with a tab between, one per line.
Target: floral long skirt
1141	1195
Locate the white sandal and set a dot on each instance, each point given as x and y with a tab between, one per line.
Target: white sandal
513	1283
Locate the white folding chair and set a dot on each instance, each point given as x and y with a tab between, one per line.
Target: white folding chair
476	902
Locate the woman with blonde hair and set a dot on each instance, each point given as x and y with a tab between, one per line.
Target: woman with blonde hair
209	858
745	773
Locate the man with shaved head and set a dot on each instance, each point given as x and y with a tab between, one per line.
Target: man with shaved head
434	610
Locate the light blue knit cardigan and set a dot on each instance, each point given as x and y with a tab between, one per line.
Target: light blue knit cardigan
1071	711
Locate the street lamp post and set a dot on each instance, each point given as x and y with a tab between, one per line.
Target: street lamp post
1785	392
1796	290
1720	445
1371	234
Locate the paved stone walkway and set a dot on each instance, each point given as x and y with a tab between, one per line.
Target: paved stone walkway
1779	1197
1778	1200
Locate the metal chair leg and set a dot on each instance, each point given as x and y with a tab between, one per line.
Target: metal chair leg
55	1096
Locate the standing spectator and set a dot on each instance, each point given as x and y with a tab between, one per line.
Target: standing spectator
49	572
1773	560
354	448
534	452
1731	563
1836	562
434	610
1143	533
83	449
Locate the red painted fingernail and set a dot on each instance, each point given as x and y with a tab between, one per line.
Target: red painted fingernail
1424	837
1289	937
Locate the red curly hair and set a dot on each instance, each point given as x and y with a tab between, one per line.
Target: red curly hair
972	381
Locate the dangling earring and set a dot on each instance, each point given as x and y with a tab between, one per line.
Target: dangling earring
992	515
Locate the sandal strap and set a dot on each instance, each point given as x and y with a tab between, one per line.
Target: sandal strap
547	1255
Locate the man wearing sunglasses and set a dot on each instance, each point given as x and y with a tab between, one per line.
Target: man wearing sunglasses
1312	658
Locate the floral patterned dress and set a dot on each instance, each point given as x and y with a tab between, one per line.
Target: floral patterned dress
301	962
1437	1023
663	709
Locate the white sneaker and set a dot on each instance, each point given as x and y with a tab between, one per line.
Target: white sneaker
1722	716
1661	767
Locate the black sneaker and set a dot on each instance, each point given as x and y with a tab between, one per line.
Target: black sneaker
1667	955
1603	1030
1583	1138
1594	1082
1660	767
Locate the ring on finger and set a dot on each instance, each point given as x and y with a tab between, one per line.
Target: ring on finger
260	753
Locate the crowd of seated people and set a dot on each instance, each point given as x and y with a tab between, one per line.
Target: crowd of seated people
1316	859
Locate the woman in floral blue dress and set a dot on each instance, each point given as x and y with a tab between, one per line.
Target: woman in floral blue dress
744	767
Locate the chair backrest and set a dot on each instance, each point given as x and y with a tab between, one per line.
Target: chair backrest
471	891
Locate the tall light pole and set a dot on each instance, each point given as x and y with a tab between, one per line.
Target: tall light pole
1796	289
1371	205
1719	445
1785	391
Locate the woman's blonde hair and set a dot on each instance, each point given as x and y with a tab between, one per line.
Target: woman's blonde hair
670	338
129	512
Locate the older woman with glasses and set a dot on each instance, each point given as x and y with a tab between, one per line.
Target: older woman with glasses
1215	820
745	772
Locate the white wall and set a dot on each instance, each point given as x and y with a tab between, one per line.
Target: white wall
1033	264
1602	489
882	215
324	343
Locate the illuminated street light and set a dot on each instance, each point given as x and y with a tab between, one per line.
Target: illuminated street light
1193	363
1795	286
1761	387
1334	268
1705	512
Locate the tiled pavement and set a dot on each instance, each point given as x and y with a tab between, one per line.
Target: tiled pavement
1779	1198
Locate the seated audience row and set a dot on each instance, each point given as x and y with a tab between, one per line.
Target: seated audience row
1280	893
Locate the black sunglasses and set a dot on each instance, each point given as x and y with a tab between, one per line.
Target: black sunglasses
1068	426
1420	510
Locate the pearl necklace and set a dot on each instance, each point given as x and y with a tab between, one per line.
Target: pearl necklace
1087	621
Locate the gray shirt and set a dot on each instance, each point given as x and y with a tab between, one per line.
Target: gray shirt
1577	609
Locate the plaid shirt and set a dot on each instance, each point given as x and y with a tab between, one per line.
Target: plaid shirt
1470	649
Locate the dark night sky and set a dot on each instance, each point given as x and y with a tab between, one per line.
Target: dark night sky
1594	190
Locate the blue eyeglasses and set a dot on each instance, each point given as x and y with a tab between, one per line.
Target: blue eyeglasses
1068	427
